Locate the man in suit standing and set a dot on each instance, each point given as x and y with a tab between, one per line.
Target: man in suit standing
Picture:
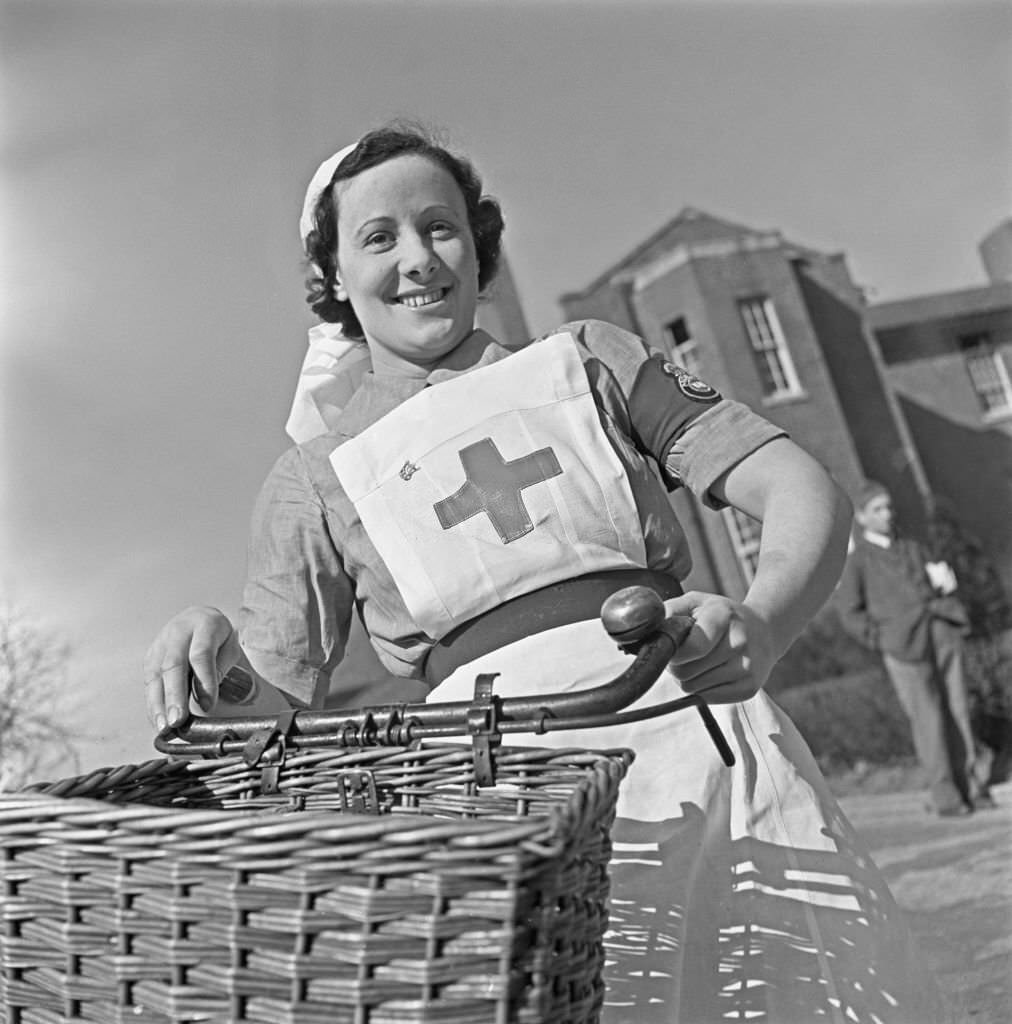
894	599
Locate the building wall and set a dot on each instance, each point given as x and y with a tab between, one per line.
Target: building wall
884	445
610	304
814	418
926	360
967	456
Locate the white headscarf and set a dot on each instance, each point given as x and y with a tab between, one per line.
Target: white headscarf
334	365
319	181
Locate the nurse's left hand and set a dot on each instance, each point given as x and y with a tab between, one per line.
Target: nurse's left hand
730	652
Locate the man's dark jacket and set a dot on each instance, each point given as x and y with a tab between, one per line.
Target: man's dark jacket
886	600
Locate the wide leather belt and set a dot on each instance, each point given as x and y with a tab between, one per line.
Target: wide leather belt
560	604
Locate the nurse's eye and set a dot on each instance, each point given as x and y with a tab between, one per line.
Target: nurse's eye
379	240
442	229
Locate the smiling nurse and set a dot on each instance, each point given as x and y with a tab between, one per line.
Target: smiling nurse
406	262
460	491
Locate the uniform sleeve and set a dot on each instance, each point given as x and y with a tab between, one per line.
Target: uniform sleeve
297	603
694	434
713	442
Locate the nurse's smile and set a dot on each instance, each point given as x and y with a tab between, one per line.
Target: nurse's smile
417	301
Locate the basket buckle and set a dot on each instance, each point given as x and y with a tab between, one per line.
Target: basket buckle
356	789
269	748
483	725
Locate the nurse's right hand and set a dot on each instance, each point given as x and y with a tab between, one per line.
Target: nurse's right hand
201	638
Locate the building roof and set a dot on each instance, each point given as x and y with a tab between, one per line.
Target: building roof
688	228
989	298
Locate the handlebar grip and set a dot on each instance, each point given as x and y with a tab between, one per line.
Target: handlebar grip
634	613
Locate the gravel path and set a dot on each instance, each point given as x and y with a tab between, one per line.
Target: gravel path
954	879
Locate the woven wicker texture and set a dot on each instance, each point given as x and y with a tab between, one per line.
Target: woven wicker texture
178	891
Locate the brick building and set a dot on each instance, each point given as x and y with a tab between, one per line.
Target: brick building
947	359
785	329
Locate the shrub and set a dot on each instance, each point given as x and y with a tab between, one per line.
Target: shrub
988	663
823	651
849	720
980	587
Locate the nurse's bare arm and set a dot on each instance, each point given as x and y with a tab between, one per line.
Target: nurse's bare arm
201	638
805	520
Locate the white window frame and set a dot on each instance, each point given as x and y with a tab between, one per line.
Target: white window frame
744	532
685	353
988	375
769	347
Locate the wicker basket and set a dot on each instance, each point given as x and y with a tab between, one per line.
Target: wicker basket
346	866
177	891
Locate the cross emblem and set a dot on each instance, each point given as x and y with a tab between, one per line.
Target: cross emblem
493	486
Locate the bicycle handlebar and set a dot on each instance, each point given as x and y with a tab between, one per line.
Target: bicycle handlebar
634	617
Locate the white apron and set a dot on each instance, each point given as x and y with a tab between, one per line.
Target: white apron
738	894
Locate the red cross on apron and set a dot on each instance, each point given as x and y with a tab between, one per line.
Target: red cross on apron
441	503
495	486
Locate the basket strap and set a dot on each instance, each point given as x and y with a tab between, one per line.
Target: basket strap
270	744
483	726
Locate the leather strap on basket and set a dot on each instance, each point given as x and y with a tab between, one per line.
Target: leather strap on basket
269	745
483	727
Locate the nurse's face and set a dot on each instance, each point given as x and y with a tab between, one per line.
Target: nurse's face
406	261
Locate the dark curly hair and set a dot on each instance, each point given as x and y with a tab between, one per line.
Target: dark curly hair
483	214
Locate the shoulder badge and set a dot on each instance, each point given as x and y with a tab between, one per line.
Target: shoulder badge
691	386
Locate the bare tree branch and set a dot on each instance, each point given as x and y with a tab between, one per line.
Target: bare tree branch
33	699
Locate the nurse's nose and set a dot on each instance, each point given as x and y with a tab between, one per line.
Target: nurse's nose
418	261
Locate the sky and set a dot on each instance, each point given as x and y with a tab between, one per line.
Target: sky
152	164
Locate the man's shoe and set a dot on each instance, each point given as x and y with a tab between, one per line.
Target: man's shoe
955	811
984	802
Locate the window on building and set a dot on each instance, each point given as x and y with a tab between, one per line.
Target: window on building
988	373
773	360
745	532
684	348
